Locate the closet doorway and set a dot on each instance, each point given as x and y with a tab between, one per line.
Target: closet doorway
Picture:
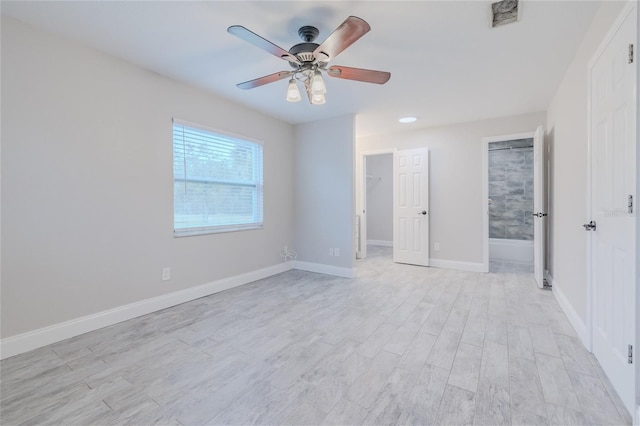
394	206
376	215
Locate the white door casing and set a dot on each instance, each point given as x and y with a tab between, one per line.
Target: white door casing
361	249
411	207
612	166
539	212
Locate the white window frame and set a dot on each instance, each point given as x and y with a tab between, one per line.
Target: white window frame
258	207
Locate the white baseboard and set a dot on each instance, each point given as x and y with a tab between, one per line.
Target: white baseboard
380	243
24	342
454	264
578	325
320	268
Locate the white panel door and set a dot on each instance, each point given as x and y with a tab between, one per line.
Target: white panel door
539	211
411	207
613	174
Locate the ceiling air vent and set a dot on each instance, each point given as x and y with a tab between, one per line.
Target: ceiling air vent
504	12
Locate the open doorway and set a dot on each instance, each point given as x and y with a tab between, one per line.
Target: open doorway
514	214
379	199
398	179
374	221
510	179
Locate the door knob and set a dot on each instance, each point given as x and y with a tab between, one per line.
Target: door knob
591	226
423	212
539	214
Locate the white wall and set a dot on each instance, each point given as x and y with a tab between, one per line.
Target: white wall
380	198
455	178
324	196
567	140
87	183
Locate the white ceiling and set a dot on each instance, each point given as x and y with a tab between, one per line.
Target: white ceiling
447	64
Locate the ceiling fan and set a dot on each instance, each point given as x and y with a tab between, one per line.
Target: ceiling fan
309	60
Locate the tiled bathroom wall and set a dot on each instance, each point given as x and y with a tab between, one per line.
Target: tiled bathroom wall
511	189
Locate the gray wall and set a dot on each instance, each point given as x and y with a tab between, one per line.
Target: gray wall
380	197
455	170
324	196
87	183
511	189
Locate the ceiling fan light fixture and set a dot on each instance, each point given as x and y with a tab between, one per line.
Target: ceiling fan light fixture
293	94
318	99
310	59
317	84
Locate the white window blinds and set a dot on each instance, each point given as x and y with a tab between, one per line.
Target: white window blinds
217	181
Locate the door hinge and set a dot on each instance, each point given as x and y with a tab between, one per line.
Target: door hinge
631	53
630	204
630	355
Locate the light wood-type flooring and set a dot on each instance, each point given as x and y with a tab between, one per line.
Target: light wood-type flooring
398	345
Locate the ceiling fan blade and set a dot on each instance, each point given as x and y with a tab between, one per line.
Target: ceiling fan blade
264	44
344	36
251	84
359	74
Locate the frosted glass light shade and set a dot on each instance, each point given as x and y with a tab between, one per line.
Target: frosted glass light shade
318	99
293	94
317	84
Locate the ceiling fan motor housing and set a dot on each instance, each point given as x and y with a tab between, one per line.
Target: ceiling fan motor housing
304	51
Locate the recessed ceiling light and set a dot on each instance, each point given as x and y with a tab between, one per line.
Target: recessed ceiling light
408	119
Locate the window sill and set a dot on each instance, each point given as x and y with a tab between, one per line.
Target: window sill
217	230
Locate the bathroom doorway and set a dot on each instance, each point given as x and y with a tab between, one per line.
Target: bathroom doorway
509	190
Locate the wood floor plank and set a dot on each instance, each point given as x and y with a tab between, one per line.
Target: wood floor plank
574	355
594	398
457	407
366	387
466	367
402	338
556	385
392	399
525	388
377	340
416	355
520	344
492	404
423	402
495	364
543	340
444	350
346	413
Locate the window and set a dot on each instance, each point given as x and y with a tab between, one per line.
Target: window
217	181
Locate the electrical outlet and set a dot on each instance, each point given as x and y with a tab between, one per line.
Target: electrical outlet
331	252
336	251
166	274
436	246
